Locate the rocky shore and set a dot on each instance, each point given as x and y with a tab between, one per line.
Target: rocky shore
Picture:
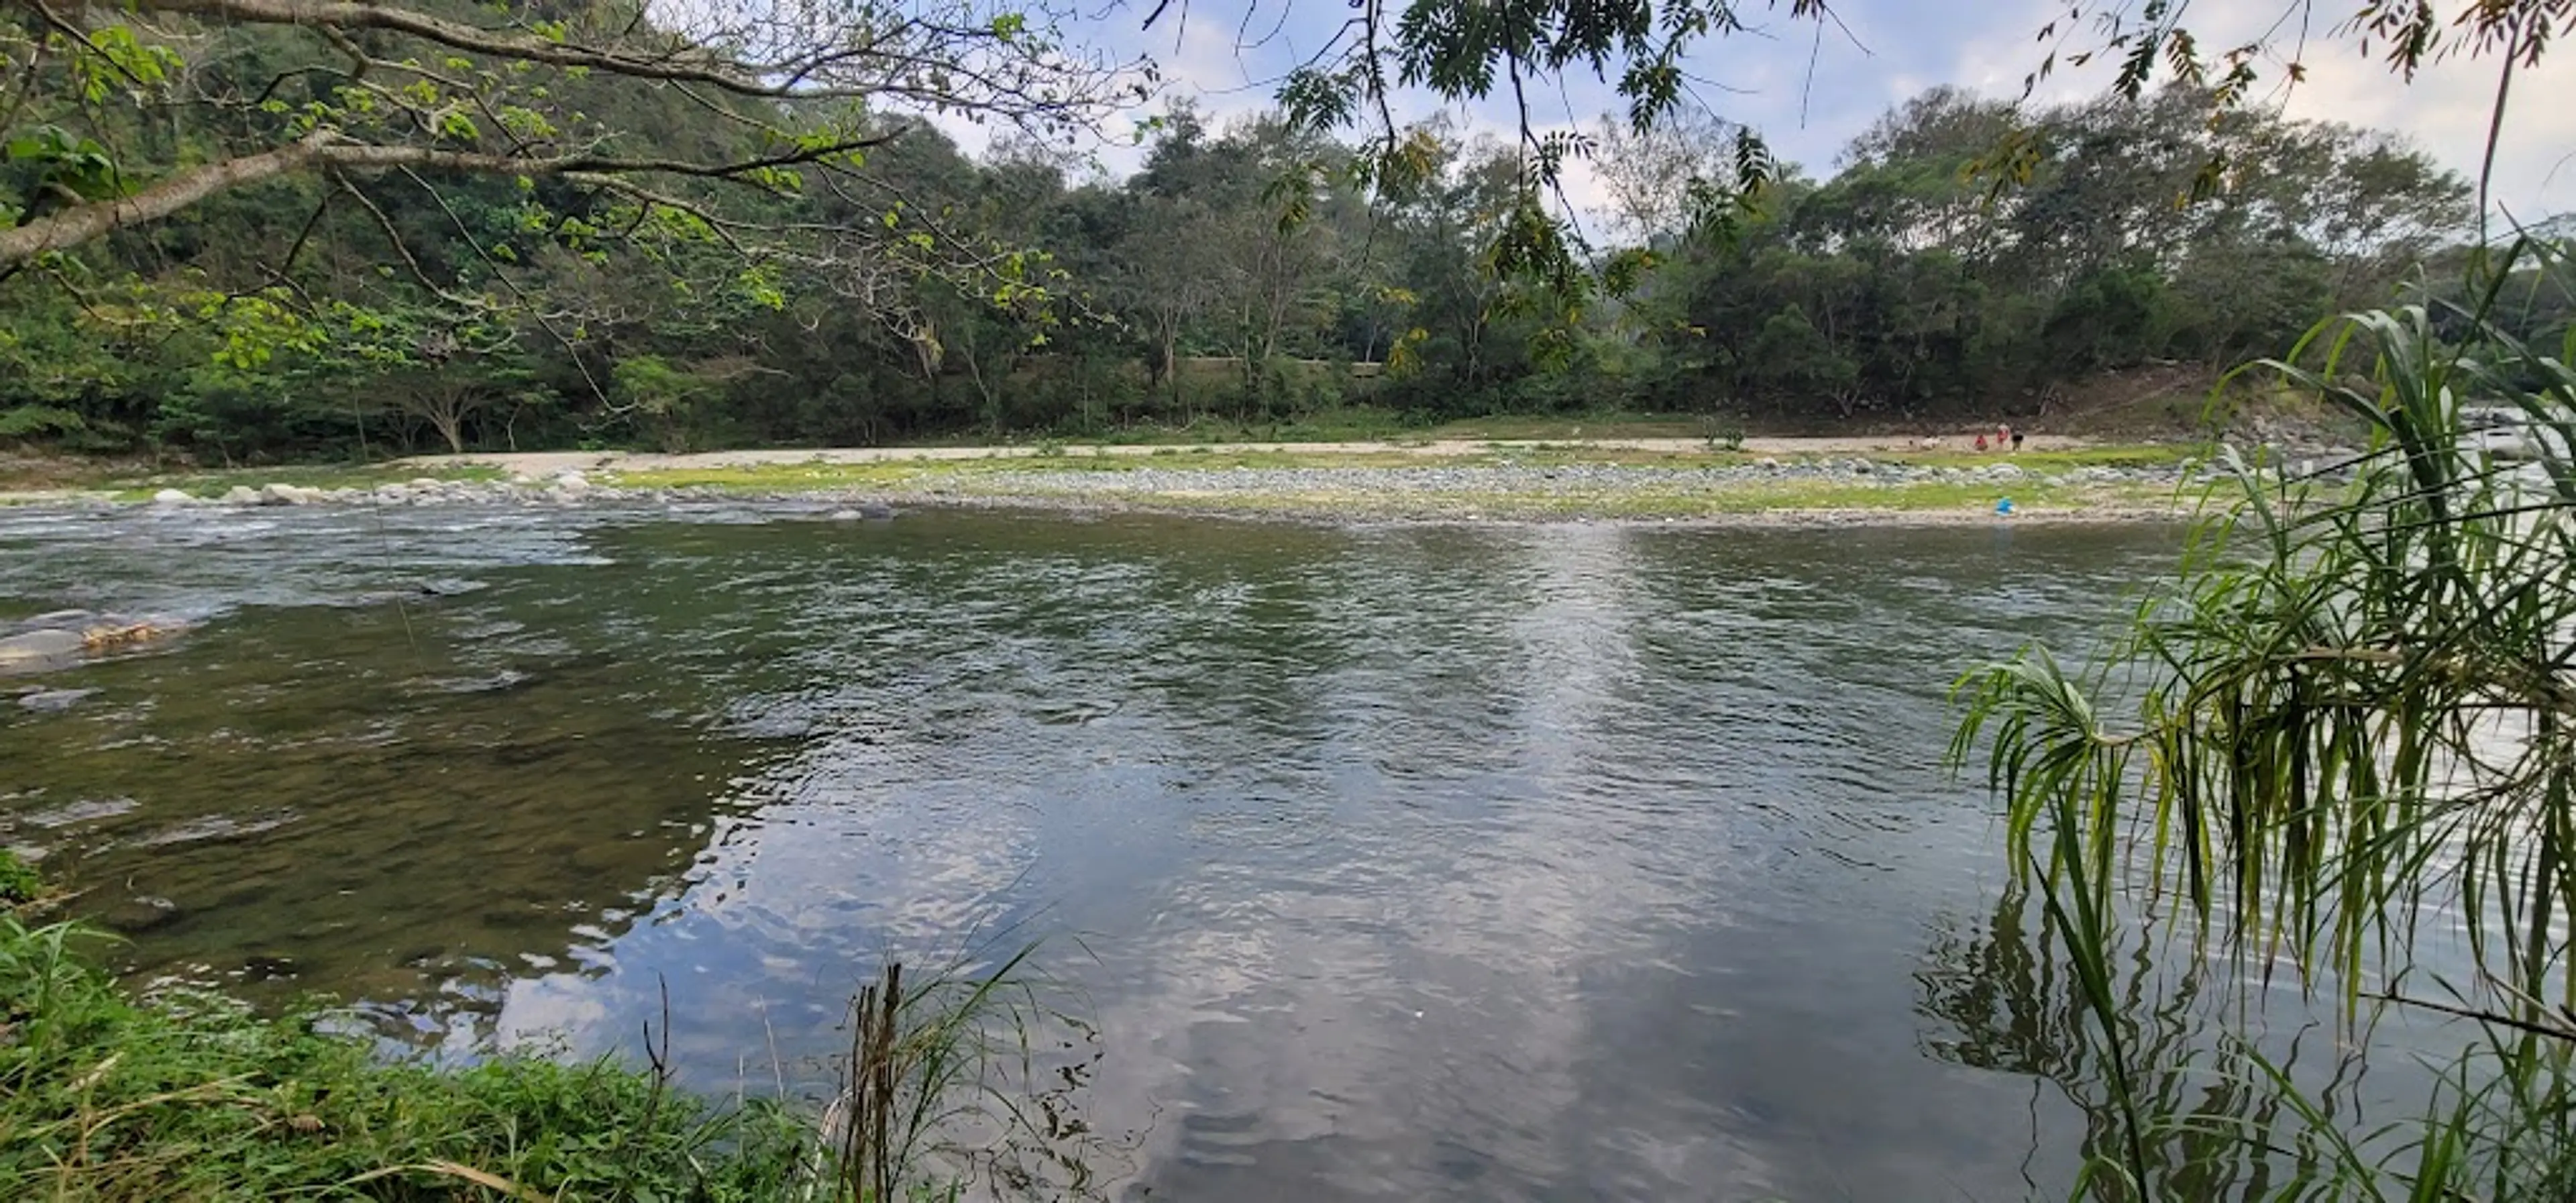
1756	491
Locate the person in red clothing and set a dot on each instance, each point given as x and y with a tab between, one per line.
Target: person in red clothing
1981	440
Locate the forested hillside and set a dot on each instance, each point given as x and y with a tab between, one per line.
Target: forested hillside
1246	271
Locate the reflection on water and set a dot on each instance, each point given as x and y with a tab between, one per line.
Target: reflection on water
1393	863
2203	1037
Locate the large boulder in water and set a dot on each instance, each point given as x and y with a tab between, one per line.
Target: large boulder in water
59	640
286	494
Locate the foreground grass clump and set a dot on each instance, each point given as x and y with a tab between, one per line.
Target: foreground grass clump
190	1096
18	881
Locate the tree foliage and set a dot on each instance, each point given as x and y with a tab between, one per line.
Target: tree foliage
1240	273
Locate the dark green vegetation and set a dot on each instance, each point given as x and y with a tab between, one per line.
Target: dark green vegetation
2353	736
18	880
192	1096
847	276
188	1094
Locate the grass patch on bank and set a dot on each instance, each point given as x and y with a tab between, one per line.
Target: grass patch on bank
2115	455
191	1096
215	482
1753	501
952	1080
188	1094
19	884
1358	424
912	475
1038	480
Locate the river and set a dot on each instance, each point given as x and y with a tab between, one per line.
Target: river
1504	862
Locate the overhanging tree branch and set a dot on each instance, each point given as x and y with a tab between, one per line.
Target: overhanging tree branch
76	224
681	62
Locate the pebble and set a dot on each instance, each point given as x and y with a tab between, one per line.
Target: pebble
1433	479
1564	480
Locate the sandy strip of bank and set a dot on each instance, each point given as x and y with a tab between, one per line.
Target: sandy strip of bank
1286	510
549	463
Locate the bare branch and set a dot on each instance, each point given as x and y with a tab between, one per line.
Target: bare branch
76	224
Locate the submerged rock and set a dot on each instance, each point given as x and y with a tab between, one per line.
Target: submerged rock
38	649
54	701
142	913
61	638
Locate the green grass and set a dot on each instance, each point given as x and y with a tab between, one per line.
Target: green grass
1642	498
214	482
1754	500
18	881
193	1097
914	473
187	1094
2114	455
1359	424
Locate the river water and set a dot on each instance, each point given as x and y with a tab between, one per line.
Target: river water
1390	863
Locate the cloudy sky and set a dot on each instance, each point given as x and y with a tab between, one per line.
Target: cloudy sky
1231	52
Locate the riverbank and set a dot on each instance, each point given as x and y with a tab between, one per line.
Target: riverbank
1839	481
191	1095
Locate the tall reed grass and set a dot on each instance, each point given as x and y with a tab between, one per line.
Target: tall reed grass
2347	727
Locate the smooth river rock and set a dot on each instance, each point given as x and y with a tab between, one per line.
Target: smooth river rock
142	914
172	497
54	701
37	648
286	494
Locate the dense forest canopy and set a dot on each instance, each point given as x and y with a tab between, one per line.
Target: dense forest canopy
579	225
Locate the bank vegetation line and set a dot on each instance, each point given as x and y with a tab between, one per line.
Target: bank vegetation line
547	463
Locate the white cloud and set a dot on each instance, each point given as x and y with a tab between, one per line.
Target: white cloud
1810	94
2444	111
